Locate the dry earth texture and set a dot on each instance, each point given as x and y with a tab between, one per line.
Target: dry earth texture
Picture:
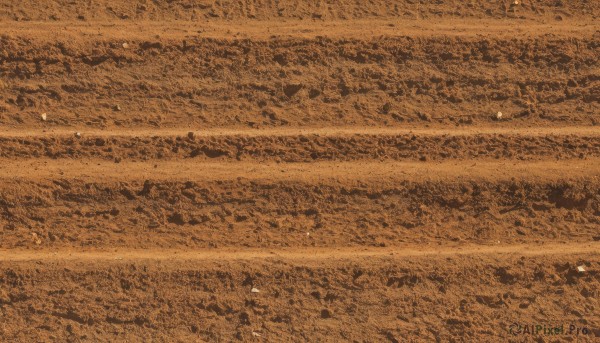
299	171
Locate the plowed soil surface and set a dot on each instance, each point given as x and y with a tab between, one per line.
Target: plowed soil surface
299	171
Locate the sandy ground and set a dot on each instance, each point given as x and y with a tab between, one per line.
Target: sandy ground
299	171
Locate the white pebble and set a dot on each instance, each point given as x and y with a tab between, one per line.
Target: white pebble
44	116
254	290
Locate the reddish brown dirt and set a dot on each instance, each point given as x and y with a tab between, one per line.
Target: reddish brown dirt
407	76
345	158
195	204
309	145
427	296
59	10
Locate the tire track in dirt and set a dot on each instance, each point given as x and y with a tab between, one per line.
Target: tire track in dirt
392	171
258	30
500	129
295	255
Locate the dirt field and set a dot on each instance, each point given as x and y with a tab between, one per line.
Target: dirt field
299	171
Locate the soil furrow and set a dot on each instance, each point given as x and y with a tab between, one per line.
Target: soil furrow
69	204
293	82
307	147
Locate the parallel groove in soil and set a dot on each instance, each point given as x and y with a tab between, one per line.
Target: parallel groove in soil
258	30
295	254
501	129
368	170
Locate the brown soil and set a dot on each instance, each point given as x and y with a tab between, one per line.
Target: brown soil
344	158
200	80
196	204
307	146
339	296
